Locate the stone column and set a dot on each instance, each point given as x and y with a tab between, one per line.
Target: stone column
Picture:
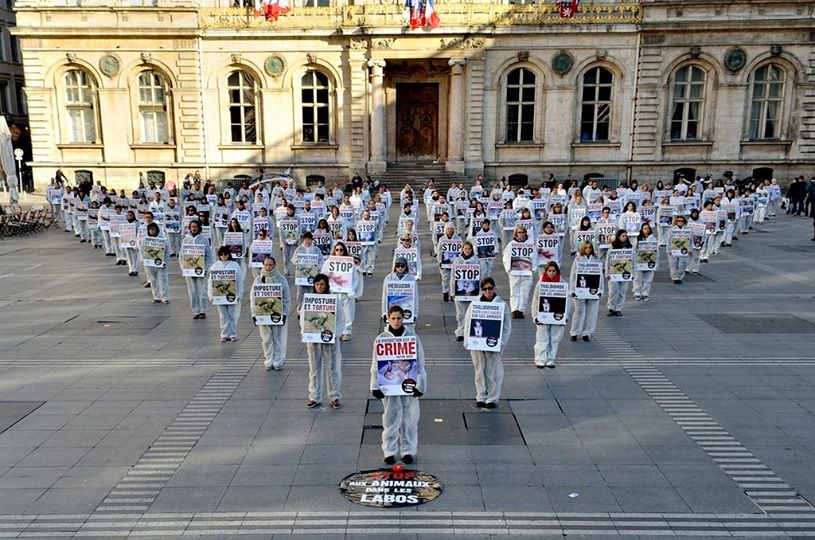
377	163
455	124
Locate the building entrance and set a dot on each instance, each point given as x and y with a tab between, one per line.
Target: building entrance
417	121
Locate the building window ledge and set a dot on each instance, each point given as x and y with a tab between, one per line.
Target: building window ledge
239	146
525	144
317	146
682	144
768	143
69	146
600	144
151	146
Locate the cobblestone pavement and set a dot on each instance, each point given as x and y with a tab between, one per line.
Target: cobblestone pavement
690	415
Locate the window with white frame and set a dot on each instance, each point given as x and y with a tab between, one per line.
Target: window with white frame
595	110
80	94
688	101
153	124
242	107
767	103
520	103
314	92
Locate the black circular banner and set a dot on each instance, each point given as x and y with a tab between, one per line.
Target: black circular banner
390	488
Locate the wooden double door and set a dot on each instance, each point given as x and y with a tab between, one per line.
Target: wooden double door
417	121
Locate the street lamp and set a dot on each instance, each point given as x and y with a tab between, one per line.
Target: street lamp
18	155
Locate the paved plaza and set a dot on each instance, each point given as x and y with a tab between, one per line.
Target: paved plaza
694	414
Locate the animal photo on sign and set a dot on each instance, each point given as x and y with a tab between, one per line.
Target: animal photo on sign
225	287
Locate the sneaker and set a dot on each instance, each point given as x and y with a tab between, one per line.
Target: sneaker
480	405
335	404
586	338
147	286
233	338
277	367
540	366
196	316
677	281
223	339
611	313
461	338
390	460
407	459
521	315
446	297
550	364
637	298
156	301
646	298
491	405
165	301
267	368
573	338
202	315
311	404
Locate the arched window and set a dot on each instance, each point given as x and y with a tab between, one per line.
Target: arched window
242	107
520	102
80	95
767	103
153	108
688	99
314	106
595	110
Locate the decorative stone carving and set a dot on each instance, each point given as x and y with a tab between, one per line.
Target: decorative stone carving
274	66
735	59
146	57
695	52
382	43
462	43
601	54
523	56
71	57
776	50
311	58
109	64
358	44
562	62
236	58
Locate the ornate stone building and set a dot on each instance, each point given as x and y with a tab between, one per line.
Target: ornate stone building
623	89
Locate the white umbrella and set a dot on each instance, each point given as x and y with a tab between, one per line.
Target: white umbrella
9	168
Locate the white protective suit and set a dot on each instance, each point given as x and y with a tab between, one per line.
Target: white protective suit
197	286
644	278
678	264
489	370
547	336
519	286
325	362
400	418
584	317
158	278
407	276
274	338
462	305
348	304
229	314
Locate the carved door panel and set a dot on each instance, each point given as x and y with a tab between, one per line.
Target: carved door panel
417	121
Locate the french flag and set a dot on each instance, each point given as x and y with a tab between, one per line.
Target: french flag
271	9
430	16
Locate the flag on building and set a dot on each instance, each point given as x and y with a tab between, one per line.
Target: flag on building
568	8
420	13
271	9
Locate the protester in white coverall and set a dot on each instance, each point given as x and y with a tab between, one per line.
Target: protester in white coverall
519	286
489	370
449	234
347	300
229	313
307	247
644	278
132	253
584	316
400	273
273	336
467	256
157	277
547	336
677	263
197	286
617	289
400	418
324	359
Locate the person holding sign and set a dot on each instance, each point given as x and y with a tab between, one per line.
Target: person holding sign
447	248
619	269
466	273
308	259
678	248
399	289
586	286
488	327
195	259
344	280
398	378
127	242
226	291
260	249
270	307
320	319
154	257
550	312
646	264
520	262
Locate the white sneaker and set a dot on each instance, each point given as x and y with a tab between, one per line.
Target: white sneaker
550	364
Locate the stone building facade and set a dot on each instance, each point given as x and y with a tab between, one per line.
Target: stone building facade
624	89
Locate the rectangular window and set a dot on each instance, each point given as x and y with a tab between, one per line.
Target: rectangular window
4	101
81	126
22	107
15	49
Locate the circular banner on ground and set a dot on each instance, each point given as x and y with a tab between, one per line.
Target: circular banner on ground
390	488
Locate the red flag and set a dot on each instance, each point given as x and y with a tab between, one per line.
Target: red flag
568	8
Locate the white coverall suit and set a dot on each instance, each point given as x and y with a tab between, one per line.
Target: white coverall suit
400	418
547	336
197	286
348	304
462	305
584	317
230	313
274	337
158	278
678	264
407	276
489	370
325	361
519	286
